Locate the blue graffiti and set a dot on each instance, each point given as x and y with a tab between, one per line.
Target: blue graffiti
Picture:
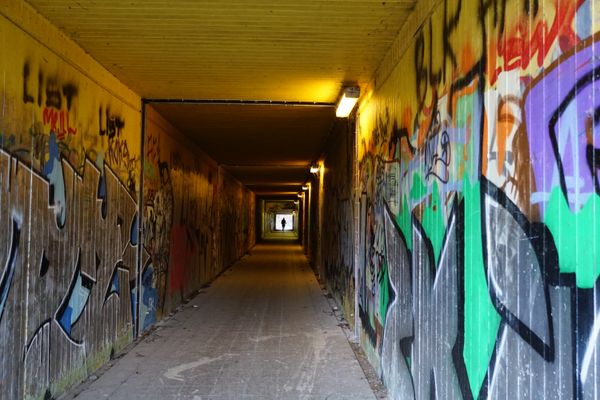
149	298
75	301
53	171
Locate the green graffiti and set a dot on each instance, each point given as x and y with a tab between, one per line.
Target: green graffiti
404	222
384	292
433	222
481	319
576	237
418	188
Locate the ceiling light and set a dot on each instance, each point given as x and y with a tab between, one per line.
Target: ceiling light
347	102
305	188
314	169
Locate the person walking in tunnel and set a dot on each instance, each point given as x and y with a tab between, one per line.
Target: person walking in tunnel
283	222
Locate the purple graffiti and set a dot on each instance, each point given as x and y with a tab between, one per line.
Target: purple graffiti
562	112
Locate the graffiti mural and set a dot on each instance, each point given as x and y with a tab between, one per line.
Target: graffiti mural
189	204
73	271
338	234
478	223
69	216
72	245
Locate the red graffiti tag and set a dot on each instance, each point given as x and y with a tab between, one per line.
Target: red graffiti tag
58	121
525	42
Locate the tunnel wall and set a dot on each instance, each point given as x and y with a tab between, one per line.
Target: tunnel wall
70	190
70	140
316	202
236	229
183	204
338	215
479	203
197	219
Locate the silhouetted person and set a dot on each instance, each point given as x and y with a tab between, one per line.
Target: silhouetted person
283	224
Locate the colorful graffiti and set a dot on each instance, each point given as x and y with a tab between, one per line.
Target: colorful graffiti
72	270
69	237
72	247
478	162
189	204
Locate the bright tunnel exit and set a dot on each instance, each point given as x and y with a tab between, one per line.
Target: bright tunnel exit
280	219
284	222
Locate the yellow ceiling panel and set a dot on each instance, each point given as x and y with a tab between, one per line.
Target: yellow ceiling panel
253	50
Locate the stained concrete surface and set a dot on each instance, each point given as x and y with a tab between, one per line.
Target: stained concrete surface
263	330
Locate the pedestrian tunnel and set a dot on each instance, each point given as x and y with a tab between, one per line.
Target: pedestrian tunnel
419	177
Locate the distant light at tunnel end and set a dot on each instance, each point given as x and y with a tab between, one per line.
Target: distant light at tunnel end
347	102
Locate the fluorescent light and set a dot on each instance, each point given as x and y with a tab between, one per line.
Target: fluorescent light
314	169
304	187
347	102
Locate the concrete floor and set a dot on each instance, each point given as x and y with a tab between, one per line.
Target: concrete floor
263	330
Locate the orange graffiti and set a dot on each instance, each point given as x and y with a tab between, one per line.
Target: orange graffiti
506	123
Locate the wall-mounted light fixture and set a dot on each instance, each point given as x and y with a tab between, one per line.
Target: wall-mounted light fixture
349	98
299	195
305	188
314	169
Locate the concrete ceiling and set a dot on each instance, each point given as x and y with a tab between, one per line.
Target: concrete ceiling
266	50
267	147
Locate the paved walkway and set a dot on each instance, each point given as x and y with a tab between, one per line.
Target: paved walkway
263	330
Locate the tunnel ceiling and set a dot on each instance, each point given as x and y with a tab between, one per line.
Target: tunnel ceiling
268	50
269	148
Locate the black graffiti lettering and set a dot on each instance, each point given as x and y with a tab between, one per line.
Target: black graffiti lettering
531	7
27	98
69	90
450	25
109	124
498	9
420	70
40	90
53	93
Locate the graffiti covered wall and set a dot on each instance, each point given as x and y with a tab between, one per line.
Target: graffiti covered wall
236	213
69	187
338	206
197	219
180	202
478	160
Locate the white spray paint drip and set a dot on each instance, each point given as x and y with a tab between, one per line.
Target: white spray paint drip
174	373
589	352
259	339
